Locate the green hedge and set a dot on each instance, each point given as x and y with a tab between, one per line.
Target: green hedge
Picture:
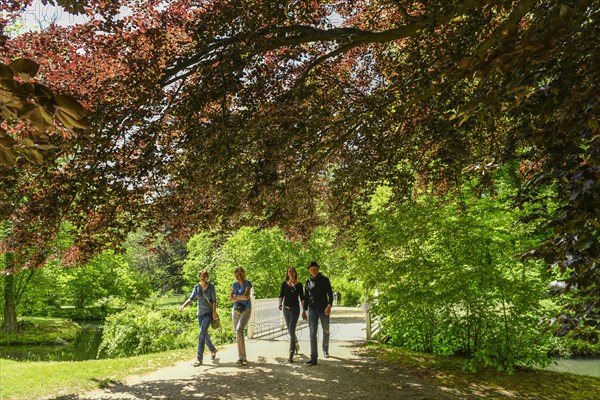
141	330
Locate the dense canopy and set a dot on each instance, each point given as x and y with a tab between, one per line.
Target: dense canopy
290	113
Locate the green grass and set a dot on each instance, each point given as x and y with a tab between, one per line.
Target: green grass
31	380
41	330
524	383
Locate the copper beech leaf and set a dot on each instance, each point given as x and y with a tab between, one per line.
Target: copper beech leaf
24	67
70	106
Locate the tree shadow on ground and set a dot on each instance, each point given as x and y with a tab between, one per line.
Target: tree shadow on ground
335	378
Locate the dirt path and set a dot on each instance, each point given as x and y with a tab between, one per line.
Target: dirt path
347	374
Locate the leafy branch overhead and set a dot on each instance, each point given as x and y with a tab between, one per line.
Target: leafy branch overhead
292	113
24	100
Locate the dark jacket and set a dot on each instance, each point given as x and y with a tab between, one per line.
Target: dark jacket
318	292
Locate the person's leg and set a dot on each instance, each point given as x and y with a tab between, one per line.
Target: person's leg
242	321
235	317
313	325
287	316
209	343
294	315
325	326
203	322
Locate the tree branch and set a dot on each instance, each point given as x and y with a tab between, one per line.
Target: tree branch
272	38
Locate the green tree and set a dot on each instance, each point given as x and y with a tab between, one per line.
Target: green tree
448	282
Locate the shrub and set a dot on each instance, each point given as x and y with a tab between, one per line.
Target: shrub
141	330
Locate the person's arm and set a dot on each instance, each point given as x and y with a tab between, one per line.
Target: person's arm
304	305
184	305
213	295
246	294
329	298
281	295
188	301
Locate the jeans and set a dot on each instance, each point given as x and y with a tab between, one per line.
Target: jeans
204	321
314	315
291	316
240	320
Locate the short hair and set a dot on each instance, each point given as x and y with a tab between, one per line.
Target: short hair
204	271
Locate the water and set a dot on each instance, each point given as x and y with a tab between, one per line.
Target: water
84	347
580	366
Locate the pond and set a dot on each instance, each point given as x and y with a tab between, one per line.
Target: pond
579	366
84	347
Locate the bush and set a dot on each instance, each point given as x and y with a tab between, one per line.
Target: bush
141	330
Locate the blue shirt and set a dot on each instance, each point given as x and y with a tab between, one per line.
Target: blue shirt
240	290
200	294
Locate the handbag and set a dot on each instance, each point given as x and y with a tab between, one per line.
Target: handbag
239	307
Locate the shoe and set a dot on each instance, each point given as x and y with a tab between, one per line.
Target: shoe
213	355
198	363
291	358
326	355
241	362
311	362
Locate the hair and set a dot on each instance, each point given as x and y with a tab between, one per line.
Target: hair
287	277
239	270
204	271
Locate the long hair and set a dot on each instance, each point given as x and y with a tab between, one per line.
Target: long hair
287	277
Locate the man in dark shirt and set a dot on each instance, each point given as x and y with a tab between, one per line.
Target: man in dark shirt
319	298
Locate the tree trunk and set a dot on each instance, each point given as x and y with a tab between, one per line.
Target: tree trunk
10	305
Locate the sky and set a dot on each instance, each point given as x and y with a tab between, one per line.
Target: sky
39	16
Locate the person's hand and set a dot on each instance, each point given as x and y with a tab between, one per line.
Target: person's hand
215	316
181	309
281	307
304	315
328	310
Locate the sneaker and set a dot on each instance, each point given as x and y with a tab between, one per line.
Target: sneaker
311	362
198	363
241	362
326	355
213	355
291	358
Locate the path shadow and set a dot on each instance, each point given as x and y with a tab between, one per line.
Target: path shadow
337	378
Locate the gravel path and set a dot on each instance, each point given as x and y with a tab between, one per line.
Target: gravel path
347	374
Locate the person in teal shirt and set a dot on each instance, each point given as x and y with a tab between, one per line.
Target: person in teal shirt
242	307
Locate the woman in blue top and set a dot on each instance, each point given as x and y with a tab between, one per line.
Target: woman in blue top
240	296
206	295
291	296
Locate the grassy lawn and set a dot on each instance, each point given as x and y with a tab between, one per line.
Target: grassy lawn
524	383
41	330
37	380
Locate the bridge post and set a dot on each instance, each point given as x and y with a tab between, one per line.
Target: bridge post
367	309
251	322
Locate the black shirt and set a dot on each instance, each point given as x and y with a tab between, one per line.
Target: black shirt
318	292
290	294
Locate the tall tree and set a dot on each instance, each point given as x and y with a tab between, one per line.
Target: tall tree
229	111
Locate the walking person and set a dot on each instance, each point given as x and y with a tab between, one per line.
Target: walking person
318	297
291	297
240	296
206	296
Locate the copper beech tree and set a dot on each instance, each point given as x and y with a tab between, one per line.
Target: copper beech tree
290	113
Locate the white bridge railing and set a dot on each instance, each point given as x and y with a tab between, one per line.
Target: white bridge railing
266	320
